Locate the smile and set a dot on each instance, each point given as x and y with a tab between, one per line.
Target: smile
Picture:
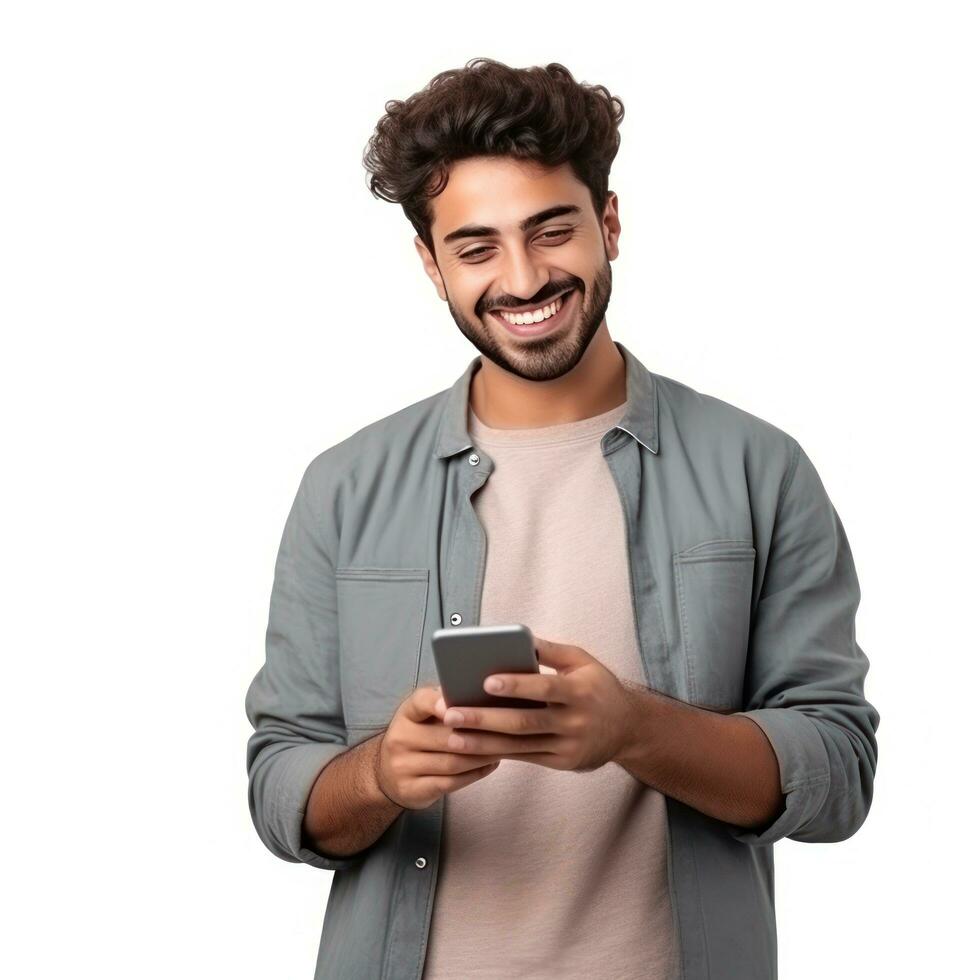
538	321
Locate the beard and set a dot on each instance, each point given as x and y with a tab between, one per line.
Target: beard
553	355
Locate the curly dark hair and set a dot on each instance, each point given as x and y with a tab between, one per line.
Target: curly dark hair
489	109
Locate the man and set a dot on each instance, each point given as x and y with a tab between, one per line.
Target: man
687	580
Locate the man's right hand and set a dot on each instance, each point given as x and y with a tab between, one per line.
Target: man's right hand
413	764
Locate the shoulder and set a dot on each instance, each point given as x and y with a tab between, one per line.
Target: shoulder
694	412
705	425
384	440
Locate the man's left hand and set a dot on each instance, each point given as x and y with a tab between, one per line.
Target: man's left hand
587	721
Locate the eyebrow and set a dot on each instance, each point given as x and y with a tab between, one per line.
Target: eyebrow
485	231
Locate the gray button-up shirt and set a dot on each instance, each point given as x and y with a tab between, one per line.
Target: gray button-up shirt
745	595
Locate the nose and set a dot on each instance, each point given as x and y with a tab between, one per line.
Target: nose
523	277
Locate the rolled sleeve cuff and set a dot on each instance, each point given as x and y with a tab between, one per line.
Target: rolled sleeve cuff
804	772
300	767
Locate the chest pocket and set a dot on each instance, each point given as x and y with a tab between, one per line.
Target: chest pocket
713	583
380	618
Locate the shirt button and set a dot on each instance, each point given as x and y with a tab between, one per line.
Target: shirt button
420	862
455	619
474	459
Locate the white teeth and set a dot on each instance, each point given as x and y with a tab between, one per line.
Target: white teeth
534	316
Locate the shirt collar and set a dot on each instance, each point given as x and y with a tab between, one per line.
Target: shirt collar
639	420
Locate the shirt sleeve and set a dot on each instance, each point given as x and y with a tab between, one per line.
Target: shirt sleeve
805	673
294	703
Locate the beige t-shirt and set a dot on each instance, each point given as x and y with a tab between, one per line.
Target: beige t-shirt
547	873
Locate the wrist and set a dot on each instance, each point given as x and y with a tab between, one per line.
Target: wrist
630	734
380	794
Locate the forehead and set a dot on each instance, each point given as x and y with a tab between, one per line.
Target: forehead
500	191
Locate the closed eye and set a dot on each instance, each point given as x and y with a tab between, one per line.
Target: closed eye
485	248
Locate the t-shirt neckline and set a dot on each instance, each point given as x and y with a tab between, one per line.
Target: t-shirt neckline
546	435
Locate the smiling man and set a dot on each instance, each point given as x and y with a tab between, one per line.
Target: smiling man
687	580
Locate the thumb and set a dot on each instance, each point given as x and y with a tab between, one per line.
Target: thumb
561	656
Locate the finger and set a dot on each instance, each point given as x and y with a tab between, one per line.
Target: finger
535	687
449	784
509	720
429	736
421	703
498	746
452	763
550	760
561	656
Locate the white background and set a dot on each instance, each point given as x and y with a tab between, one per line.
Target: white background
199	294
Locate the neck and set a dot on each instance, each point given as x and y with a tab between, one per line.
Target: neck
595	385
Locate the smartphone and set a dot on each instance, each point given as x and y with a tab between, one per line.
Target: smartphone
467	655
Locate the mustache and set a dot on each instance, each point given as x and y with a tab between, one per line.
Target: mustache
548	297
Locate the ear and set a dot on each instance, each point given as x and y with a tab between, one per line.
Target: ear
431	268
610	226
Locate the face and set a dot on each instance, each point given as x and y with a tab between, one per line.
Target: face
511	234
